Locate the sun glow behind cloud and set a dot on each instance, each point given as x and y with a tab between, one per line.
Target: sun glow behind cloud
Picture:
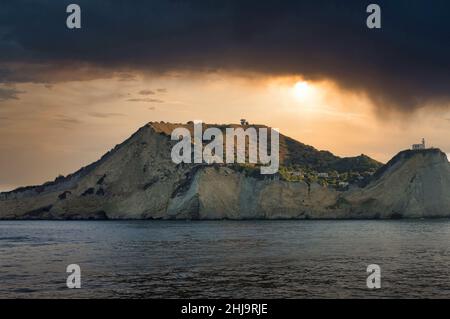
303	91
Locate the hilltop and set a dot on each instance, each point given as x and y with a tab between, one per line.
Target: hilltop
292	153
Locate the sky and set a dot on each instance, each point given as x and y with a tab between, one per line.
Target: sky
310	68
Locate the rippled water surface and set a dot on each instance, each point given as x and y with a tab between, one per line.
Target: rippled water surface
224	259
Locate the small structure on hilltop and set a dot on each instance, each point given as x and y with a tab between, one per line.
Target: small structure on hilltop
244	122
417	147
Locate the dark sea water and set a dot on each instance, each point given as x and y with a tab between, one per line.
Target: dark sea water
224	259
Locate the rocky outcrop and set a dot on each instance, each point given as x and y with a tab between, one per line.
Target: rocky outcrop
221	192
414	184
138	180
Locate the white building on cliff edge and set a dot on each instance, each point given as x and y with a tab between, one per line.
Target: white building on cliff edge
416	147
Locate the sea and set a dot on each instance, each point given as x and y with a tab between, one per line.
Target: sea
225	259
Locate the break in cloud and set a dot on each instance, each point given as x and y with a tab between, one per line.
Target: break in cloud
403	66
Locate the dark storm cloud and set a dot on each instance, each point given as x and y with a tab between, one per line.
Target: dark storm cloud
404	65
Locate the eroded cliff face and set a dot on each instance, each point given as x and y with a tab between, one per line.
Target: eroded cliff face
138	180
220	192
413	184
135	180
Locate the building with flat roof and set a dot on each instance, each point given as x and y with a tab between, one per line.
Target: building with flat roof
416	147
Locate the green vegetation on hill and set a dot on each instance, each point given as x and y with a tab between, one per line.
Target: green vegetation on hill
294	153
335	179
301	162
